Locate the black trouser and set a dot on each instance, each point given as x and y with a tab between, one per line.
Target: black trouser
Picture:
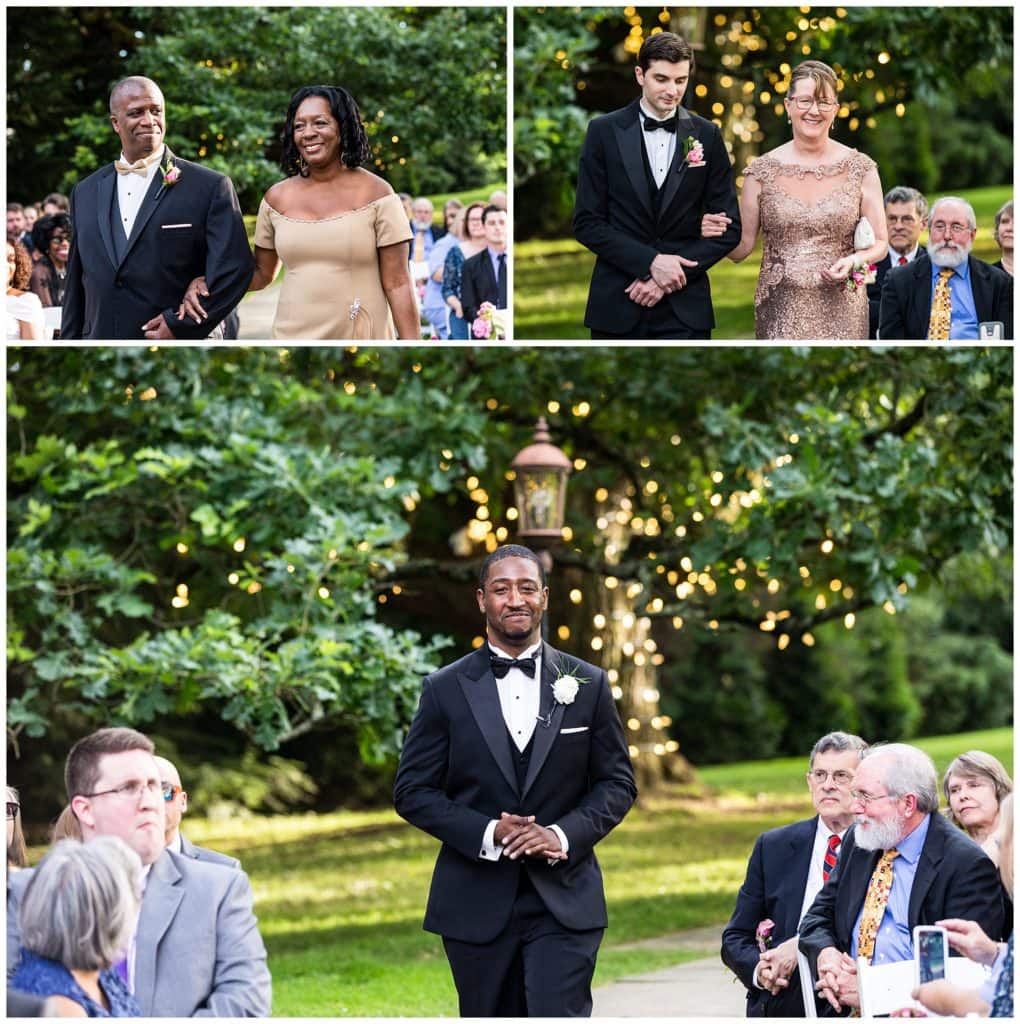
534	968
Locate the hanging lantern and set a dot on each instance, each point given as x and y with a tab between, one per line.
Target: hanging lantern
540	488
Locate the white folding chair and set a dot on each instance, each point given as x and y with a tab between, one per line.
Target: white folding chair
807	985
51	320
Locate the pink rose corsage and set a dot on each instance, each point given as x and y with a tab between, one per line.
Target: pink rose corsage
694	152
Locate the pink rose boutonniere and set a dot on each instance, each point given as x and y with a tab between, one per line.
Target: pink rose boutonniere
171	175
763	934
694	152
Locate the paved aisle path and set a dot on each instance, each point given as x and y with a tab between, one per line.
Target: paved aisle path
699	988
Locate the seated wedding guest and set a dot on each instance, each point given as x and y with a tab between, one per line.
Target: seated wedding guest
196	950
905	210
472	241
405	201
75	920
1004	237
17	855
787	869
52	237
484	278
433	305
995	997
175	802
56	202
16	222
498	199
945	294
65	827
901	865
24	310
975	785
31	216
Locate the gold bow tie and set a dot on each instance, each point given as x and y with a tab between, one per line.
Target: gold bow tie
138	167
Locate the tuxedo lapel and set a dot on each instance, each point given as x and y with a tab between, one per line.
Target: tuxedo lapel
159	906
628	138
480	692
549	711
795	875
153	196
104	203
678	168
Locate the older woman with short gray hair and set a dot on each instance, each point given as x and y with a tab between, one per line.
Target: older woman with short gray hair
76	920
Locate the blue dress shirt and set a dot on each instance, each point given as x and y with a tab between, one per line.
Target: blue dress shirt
893	942
964	323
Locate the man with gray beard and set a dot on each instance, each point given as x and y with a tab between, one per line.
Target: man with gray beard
946	294
901	864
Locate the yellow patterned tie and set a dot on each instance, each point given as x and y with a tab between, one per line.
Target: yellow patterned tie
941	308
874	904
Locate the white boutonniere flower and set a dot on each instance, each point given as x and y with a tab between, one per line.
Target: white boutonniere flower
566	685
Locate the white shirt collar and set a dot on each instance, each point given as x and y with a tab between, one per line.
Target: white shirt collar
532	652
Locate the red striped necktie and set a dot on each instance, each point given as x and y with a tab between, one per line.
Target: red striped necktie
830	857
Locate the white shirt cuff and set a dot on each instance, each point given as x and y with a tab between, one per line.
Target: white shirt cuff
754	977
562	836
489	850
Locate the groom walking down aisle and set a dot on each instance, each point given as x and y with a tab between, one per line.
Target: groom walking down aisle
516	761
646	175
144	227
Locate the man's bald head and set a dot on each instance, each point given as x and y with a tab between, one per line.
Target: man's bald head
175	807
130	84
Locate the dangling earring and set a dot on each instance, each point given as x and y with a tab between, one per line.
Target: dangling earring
302	167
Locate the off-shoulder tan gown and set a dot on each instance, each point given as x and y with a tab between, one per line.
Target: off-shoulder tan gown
332	289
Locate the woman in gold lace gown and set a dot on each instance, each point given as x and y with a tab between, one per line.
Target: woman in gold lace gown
806	197
340	231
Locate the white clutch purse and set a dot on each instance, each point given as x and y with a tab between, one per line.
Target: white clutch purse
864	234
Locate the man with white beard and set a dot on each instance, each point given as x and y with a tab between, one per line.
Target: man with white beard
901	864
946	294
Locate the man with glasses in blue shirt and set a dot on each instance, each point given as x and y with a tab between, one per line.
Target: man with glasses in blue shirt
946	294
196	948
902	865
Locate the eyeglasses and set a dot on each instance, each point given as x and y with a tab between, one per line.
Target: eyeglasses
131	790
840	777
12	809
867	798
170	791
941	228
807	102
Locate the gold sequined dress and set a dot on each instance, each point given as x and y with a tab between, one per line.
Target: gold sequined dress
808	216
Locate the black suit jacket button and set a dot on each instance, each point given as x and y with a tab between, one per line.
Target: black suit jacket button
118	282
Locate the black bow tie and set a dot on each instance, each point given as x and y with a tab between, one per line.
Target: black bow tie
500	666
651	125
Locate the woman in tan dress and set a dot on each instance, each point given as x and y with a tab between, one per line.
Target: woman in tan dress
339	230
807	197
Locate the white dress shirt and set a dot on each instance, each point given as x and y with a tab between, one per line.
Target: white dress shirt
659	145
520	701
131	190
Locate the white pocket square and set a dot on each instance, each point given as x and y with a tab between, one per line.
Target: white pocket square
579	728
170	227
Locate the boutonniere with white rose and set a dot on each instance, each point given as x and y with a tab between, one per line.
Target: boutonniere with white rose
694	152
566	685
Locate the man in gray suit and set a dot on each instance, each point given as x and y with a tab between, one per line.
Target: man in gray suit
175	805
196	949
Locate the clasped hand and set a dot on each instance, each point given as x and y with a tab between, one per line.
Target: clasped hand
668	271
522	837
837	978
840	270
776	965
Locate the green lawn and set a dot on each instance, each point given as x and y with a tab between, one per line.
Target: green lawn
551	280
340	897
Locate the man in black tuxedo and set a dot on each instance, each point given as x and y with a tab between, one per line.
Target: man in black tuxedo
484	277
905	211
647	174
144	228
517	762
787	869
978	292
932	871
